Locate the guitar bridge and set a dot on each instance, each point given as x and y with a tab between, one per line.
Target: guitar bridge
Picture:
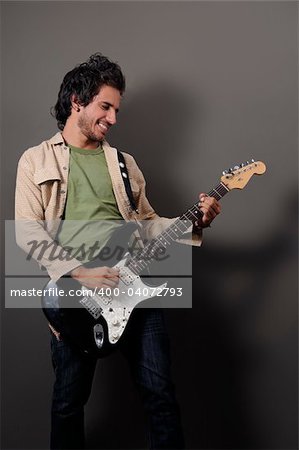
91	307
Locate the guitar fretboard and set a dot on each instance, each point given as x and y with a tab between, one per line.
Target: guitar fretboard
146	255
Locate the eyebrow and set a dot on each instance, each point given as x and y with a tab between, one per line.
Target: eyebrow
110	104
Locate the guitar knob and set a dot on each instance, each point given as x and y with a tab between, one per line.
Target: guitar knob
115	335
115	322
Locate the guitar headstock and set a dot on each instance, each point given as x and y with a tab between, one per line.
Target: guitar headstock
237	177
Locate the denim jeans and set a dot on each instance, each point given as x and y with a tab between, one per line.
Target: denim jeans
146	348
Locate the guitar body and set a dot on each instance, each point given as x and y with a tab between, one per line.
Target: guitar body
95	322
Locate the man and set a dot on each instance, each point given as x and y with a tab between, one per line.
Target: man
74	176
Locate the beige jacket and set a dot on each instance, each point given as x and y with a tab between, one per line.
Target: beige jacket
41	192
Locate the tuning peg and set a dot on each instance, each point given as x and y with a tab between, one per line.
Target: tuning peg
236	167
242	165
252	160
225	172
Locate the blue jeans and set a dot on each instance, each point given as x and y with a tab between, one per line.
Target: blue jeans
146	347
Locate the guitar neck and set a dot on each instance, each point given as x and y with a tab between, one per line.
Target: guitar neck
175	231
192	213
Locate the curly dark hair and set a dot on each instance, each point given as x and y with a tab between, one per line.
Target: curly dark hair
85	81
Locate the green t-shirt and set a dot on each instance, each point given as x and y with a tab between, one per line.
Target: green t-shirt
91	212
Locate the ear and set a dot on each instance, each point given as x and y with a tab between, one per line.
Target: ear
75	103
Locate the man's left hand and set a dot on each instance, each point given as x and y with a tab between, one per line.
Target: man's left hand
210	208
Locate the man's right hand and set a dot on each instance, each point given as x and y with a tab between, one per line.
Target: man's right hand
97	277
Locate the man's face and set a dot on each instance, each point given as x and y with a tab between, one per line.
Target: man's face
95	119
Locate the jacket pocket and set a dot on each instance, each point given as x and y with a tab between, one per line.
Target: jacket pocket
48	174
49	181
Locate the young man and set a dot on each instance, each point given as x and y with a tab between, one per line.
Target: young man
76	176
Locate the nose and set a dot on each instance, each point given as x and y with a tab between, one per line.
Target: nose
111	116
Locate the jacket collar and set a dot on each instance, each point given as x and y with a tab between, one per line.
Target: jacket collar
58	139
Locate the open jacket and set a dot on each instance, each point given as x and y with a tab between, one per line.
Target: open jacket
41	192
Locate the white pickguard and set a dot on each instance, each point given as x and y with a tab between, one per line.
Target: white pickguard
116	310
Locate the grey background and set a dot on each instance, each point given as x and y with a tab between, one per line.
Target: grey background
210	84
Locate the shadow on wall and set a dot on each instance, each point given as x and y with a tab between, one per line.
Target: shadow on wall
154	125
239	351
235	352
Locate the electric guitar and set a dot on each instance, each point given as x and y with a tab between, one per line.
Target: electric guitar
95	321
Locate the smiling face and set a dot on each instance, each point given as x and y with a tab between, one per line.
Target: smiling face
93	121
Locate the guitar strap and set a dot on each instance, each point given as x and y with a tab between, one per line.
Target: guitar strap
126	180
